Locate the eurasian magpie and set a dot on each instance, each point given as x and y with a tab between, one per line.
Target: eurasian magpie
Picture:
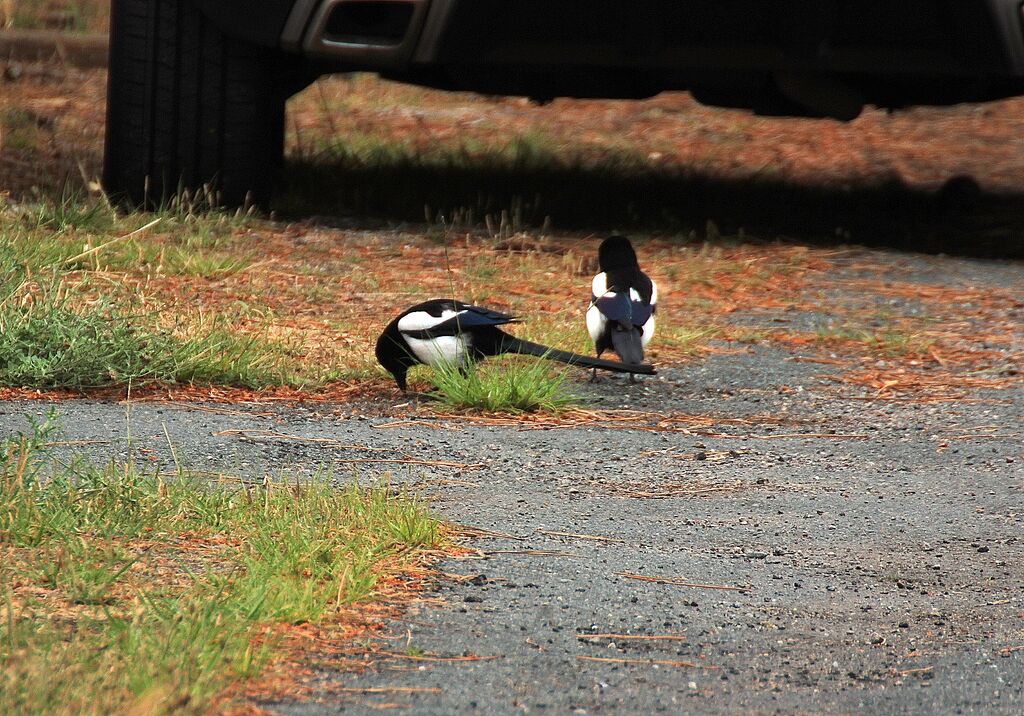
443	330
622	303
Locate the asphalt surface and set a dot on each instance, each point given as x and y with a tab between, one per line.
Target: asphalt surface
871	551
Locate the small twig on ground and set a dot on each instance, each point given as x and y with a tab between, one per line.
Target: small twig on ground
437	657
531	552
573	535
674	581
217	411
481	533
446	481
253	433
387	690
853	436
644	662
639	637
419	423
410	461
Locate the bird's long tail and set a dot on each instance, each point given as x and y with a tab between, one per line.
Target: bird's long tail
511	344
626	342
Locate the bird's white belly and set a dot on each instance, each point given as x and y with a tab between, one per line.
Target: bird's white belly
596	323
648	332
441	349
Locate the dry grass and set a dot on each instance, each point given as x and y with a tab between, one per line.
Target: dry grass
321	295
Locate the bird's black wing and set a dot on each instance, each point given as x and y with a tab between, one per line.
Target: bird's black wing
643	308
644	286
641	312
469	317
615	307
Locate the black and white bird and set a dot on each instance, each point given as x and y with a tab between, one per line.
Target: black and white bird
622	304
443	330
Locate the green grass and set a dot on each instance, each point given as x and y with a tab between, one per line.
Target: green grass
72	317
52	335
124	591
505	385
19	129
66	15
83	233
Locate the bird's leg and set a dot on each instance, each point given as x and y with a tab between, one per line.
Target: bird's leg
632	379
593	376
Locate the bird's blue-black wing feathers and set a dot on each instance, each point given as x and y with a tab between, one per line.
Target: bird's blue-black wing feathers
616	307
470	317
641	312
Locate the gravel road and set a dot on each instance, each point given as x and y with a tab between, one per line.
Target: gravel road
837	554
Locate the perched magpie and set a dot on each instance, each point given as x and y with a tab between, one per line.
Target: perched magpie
622	304
447	331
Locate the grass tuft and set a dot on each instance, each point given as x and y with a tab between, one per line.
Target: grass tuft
72	212
123	591
507	385
52	337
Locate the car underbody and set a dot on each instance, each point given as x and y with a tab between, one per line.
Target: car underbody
197	87
784	57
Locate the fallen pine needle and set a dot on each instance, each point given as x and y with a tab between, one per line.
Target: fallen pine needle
638	637
532	552
446	481
573	535
678	582
822	361
436	657
987	436
481	533
274	435
852	436
409	461
646	662
215	410
922	670
410	423
388	690
96	249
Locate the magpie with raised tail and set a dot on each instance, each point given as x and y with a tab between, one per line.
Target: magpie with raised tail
444	330
622	304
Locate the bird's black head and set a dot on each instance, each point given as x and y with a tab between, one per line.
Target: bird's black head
393	354
616	252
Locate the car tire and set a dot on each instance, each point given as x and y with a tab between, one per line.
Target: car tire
189	109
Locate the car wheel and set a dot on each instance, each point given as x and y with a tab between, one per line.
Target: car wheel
189	108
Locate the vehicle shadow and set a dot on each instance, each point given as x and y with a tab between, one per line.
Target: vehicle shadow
959	218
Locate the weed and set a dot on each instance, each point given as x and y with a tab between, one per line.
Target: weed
506	385
50	337
69	15
73	211
19	129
